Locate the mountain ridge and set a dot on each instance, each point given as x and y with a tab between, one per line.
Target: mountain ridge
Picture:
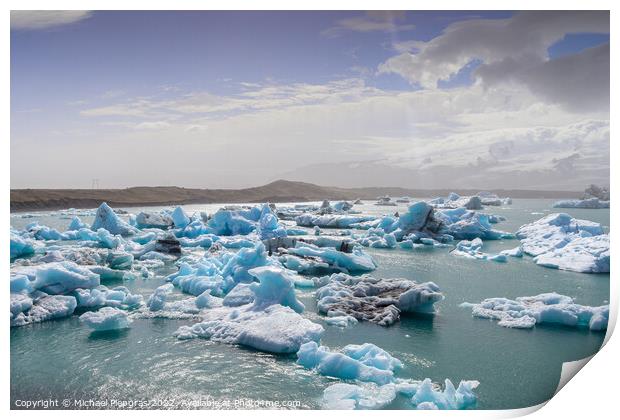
277	191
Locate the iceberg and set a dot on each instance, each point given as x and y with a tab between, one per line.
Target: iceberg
427	397
424	395
353	363
59	278
276	286
582	254
269	226
20	247
157	300
548	308
118	297
270	323
106	218
331	221
466	224
207	301
26	310
77	224
106	319
355	261
341	321
20	283
220	273
377	238
589	203
560	241
375	300
516	252
358	397
179	218
161	220
472	249
227	222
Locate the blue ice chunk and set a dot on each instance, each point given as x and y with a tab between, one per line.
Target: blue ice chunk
207	301
427	397
356	261
107	219
179	218
277	285
20	283
77	224
343	366
20	247
157	300
106	319
60	278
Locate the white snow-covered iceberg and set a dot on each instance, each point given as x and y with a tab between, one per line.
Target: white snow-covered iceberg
118	297
375	300
589	203
548	308
367	396
367	363
472	249
106	319
39	308
162	220
561	241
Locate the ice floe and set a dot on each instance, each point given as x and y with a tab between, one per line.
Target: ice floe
106	319
590	203
424	395
331	221
472	249
39	308
548	308
561	241
367	363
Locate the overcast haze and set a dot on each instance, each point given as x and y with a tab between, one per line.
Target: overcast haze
237	99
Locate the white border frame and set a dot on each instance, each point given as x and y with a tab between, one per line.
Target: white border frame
591	394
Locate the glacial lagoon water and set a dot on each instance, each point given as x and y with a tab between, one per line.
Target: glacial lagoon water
516	368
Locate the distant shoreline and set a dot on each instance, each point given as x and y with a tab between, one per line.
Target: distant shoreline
276	192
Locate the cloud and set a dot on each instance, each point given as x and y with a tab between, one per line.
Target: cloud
152	125
471	136
253	98
579	81
372	21
514	50
44	19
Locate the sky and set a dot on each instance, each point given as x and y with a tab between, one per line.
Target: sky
216	99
